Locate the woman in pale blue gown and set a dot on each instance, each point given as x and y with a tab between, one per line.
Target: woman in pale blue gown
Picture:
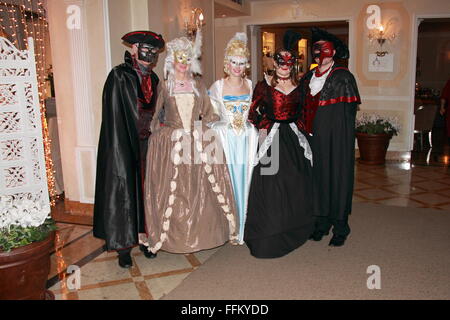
231	98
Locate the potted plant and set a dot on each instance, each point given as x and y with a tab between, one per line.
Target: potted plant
373	134
26	241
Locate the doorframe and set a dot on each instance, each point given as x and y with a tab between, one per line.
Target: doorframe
253	38
413	66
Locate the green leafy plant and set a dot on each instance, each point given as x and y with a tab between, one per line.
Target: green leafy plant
375	124
22	222
18	236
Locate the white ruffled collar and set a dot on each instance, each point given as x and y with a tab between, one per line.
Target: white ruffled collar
316	84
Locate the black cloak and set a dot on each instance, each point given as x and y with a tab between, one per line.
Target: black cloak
119	205
333	143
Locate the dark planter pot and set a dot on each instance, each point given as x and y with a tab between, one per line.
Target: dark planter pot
24	271
373	147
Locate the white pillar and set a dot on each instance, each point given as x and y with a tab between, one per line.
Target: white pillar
85	149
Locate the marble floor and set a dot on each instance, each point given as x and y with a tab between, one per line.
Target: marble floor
395	184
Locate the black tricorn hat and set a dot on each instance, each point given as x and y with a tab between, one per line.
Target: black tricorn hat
149	37
340	47
290	40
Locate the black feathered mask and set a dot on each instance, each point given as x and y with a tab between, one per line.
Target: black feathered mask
290	41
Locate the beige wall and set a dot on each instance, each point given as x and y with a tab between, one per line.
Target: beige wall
387	93
119	24
125	16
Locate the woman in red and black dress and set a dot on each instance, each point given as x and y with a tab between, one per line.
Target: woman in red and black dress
280	201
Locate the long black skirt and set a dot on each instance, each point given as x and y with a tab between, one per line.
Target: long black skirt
280	205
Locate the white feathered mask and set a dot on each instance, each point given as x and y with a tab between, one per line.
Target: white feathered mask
183	46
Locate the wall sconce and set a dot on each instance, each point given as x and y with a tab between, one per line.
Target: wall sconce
194	23
380	36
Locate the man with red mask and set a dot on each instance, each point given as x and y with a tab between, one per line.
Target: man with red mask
331	99
129	100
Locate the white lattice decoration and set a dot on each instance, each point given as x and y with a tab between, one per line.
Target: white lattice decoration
22	162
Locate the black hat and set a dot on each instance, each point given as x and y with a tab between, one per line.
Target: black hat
149	37
340	47
290	40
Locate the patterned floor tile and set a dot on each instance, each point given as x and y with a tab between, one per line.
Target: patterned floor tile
381	181
360	185
73	252
404	189
98	272
431	185
374	194
410	178
357	199
126	291
430	199
162	286
401	202
430	174
164	262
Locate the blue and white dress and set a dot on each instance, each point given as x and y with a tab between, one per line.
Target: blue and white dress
240	142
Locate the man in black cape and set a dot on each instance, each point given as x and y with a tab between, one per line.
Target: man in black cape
331	101
129	99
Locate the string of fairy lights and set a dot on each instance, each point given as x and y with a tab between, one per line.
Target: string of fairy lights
33	23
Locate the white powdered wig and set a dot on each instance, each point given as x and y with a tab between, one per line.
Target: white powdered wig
194	51
237	47
231	46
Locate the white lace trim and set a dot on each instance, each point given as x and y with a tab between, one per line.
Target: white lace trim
266	144
269	140
167	214
303	143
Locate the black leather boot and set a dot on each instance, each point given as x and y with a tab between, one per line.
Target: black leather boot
147	254
125	260
337	240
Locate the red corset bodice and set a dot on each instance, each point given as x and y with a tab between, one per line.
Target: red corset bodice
275	106
284	108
